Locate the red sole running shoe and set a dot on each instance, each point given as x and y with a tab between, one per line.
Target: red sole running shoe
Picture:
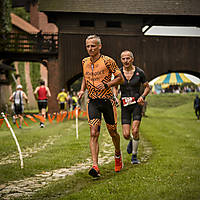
94	172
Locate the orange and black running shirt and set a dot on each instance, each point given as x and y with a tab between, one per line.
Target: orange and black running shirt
100	71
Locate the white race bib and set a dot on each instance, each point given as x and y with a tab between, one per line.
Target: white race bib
128	101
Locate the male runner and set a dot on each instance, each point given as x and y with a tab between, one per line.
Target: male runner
17	99
97	72
62	99
131	101
42	93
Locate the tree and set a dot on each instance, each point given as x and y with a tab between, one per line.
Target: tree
5	19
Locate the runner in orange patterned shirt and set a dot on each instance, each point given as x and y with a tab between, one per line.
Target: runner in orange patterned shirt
97	72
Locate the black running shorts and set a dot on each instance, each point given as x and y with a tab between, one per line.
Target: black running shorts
18	109
62	105
97	107
130	111
42	104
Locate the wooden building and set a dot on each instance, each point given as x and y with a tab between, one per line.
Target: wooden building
120	23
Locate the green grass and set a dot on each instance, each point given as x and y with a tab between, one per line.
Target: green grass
171	173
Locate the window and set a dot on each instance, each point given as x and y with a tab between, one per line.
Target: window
113	24
87	23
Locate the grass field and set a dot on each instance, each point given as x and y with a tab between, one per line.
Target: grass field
171	172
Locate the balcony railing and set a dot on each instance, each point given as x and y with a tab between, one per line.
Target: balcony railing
33	43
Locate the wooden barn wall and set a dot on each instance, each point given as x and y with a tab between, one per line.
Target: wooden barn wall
165	54
156	55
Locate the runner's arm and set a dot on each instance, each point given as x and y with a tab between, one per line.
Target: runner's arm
25	97
144	94
83	87
116	81
11	98
119	79
115	90
48	92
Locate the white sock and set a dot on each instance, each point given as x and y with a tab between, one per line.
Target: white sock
135	146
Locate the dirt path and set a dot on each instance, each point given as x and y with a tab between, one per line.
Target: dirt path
28	186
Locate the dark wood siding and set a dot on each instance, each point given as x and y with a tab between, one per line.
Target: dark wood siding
163	54
155	55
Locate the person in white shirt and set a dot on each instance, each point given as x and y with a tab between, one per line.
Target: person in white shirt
17	99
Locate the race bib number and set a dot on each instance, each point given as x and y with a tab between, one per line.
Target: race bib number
128	101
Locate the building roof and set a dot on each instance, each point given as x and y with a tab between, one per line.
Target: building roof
22	24
141	7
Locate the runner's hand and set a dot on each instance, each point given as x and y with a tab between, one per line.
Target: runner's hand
100	86
80	94
140	101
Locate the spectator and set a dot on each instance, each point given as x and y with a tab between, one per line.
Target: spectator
197	106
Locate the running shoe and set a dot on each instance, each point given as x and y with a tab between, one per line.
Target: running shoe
42	125
14	120
130	147
118	163
134	159
94	171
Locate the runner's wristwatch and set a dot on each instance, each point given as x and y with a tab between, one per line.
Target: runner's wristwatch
143	97
105	85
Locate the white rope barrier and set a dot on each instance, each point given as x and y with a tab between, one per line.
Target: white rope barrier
15	138
76	122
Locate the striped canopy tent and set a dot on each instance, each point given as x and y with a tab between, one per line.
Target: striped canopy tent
173	78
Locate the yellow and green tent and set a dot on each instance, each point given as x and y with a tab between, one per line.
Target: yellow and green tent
173	78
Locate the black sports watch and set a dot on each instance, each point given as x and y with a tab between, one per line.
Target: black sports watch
105	85
143	97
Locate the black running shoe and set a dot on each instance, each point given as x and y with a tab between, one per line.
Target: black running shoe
134	159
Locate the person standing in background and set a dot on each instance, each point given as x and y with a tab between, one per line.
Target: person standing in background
197	106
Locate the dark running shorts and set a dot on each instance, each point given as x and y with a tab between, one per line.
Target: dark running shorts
62	105
107	107
130	111
18	109
42	104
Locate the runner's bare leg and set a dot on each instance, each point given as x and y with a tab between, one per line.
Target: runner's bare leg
94	145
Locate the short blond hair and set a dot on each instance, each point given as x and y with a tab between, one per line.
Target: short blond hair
94	37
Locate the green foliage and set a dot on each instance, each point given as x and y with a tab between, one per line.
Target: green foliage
21	12
5	20
21	69
35	74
